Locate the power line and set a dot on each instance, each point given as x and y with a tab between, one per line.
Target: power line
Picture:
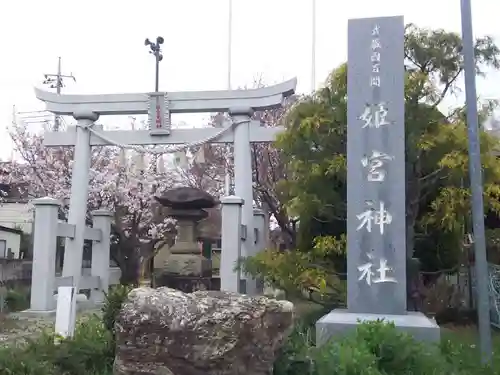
56	81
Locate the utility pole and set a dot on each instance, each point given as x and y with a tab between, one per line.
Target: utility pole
476	183
156	51
56	82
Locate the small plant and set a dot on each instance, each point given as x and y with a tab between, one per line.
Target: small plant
294	357
17	299
113	304
399	353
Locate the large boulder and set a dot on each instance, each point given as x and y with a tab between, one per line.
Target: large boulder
164	331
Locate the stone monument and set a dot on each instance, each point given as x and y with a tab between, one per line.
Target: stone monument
183	265
376	205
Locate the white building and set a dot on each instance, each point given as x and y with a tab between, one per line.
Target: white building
15	210
10	242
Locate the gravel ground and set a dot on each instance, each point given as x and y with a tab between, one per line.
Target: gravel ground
15	328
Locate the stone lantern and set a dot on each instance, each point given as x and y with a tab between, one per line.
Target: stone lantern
182	266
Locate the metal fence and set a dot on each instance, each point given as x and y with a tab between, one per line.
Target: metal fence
468	288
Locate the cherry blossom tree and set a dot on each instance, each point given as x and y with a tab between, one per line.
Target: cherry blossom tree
205	169
140	227
269	172
118	182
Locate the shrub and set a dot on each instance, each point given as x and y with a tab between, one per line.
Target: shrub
375	348
441	295
294	357
89	352
17	299
113	304
397	352
445	303
347	357
310	274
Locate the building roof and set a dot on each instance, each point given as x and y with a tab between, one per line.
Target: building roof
10	230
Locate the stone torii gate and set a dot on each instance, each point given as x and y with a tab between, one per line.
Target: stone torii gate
86	109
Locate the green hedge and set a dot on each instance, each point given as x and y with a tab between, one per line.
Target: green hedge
377	348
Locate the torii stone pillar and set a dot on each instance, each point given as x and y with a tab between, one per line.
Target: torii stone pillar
230	276
243	184
73	252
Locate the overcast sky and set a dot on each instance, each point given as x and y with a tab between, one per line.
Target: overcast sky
102	43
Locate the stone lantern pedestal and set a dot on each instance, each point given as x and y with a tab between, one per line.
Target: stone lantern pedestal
184	257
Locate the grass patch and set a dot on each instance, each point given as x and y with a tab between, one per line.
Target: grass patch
465	341
468	335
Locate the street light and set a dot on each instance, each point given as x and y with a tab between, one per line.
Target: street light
476	183
155	49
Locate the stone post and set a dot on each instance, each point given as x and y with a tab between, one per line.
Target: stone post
243	179
101	254
44	255
73	252
231	243
260	241
66	312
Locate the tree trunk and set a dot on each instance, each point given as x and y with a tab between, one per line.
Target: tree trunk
130	274
129	264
